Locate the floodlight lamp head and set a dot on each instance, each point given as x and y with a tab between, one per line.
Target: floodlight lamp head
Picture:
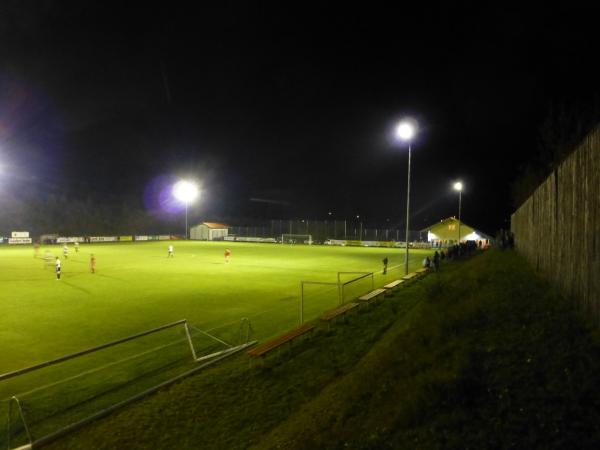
406	130
185	191
458	186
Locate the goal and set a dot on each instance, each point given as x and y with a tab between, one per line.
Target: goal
44	402
296	239
354	284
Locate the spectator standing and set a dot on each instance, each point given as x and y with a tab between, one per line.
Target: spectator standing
436	261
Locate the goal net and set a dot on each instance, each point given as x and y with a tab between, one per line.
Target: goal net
296	239
46	401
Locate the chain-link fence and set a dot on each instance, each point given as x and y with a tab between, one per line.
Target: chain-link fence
321	230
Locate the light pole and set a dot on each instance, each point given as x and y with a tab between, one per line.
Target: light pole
334	225
405	131
458	186
185	192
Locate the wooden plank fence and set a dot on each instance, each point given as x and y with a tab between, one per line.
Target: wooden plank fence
558	228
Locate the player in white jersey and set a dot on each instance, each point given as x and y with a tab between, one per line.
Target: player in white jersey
170	254
57	268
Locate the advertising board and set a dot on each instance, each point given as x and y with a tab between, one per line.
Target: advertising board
19	240
66	240
103	239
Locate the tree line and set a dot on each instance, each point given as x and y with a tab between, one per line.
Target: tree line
566	123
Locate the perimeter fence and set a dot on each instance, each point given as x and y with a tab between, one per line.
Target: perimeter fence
322	230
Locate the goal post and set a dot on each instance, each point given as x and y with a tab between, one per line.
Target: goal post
47	400
318	296
296	239
354	284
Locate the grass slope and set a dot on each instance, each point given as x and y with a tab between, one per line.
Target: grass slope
494	360
483	355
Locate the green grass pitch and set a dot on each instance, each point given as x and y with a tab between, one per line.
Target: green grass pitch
137	287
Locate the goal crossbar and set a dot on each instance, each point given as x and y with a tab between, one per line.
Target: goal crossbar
6	376
15	373
362	275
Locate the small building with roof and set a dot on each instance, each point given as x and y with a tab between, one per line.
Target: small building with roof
445	233
209	231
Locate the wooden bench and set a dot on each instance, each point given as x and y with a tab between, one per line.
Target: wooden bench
393	285
264	348
331	315
371	295
422	271
410	276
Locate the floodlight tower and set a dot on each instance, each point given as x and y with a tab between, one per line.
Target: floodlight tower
186	192
458	186
405	132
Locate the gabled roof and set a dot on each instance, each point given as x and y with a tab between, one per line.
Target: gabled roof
448	229
443	223
214	225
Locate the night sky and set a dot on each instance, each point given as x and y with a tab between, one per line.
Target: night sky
293	105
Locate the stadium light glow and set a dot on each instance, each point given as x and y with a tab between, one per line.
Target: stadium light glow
458	186
406	130
186	192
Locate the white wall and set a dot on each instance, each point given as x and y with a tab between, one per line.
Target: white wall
203	233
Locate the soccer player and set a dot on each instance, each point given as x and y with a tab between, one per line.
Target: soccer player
170	254
36	250
76	247
92	263
227	255
65	251
385	264
57	268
